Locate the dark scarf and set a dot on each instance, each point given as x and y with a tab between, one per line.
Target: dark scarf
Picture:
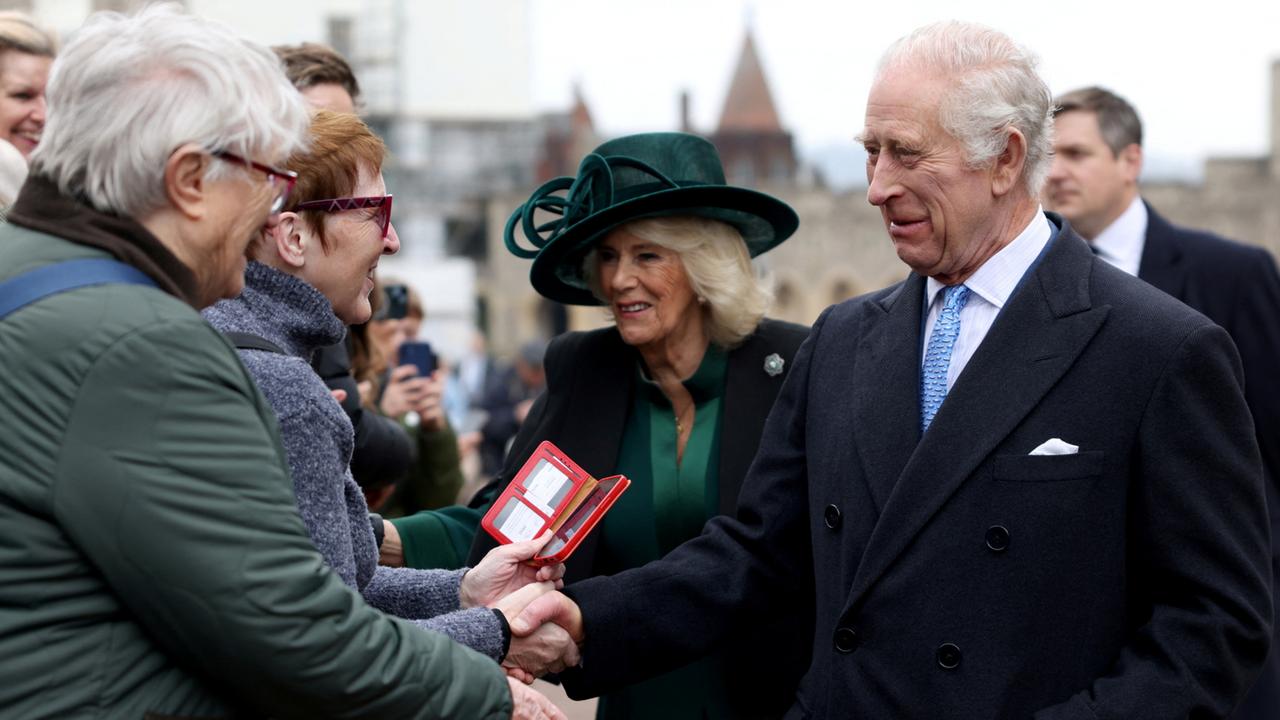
41	207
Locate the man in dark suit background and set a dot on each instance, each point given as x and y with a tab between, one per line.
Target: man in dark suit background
1093	183
1018	484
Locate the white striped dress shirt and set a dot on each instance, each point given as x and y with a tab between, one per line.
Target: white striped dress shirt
989	289
1122	242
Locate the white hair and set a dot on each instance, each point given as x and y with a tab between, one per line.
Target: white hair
128	91
718	265
994	87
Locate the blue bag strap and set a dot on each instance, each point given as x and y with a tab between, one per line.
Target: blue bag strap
18	292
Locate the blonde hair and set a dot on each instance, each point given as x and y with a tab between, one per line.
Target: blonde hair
18	32
716	260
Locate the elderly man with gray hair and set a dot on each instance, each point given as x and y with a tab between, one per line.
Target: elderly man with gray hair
1020	483
153	561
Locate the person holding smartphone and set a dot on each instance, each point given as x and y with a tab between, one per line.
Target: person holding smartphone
411	391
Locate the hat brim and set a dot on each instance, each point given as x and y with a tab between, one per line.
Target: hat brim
764	222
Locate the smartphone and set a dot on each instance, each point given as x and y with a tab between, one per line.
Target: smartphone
420	355
397	302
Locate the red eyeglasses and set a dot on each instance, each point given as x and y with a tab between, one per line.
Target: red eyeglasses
336	205
282	181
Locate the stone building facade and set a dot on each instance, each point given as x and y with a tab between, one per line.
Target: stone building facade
841	249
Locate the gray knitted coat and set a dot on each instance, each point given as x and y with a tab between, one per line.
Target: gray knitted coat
318	440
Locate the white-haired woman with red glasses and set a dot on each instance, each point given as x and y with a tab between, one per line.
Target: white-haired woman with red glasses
310	277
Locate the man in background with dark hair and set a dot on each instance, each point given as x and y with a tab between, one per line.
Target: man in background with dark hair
1093	183
322	76
383	450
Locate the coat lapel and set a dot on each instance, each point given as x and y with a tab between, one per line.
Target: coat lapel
886	388
1161	263
594	428
1037	337
749	394
594	418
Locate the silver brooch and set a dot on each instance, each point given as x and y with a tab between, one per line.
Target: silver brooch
773	365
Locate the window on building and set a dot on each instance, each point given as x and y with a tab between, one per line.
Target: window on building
341	35
842	290
779	169
784	296
120	6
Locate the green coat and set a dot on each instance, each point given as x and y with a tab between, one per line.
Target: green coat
152	559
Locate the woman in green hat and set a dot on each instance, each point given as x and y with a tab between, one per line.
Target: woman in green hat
675	394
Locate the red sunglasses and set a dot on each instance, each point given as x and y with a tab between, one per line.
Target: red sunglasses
337	205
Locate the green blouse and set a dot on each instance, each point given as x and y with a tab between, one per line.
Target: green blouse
667	503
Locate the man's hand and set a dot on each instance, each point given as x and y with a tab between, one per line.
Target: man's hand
512	605
504	570
529	704
547	649
551	607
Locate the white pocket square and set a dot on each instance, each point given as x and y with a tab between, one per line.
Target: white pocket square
1055	446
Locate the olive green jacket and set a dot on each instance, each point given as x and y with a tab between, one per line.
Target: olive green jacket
152	559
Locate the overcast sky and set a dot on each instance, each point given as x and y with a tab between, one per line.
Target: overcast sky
1199	73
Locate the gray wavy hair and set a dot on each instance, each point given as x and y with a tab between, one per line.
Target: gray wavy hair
127	91
995	87
716	260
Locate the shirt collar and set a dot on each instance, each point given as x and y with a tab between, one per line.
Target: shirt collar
1121	243
996	279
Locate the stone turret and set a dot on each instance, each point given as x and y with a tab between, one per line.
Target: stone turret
755	148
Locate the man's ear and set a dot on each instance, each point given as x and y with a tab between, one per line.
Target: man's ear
1131	158
1006	174
184	181
285	235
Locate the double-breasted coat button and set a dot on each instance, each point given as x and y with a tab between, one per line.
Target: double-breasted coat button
831	516
948	656
998	538
847	639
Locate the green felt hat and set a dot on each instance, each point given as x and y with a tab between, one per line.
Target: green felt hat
634	177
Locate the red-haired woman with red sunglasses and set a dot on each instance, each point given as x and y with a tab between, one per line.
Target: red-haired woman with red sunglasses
311	275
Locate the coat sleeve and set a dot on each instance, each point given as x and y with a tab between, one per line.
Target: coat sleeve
430	597
526	439
183	503
657	617
438	538
1199	548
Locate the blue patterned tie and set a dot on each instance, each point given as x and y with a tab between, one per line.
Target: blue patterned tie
937	356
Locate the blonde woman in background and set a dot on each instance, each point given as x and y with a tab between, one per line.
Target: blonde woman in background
26	52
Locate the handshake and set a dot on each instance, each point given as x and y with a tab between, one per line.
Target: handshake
546	626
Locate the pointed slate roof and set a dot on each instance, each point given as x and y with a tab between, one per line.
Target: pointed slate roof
749	104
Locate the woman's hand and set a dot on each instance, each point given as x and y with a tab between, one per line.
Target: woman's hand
529	704
430	405
505	570
404	391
